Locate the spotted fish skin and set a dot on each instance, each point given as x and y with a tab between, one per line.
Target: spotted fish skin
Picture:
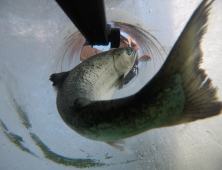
97	78
121	118
179	93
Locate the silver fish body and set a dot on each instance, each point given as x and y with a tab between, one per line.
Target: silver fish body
179	93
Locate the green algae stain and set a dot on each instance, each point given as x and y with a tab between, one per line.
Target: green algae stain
4	127
50	155
17	140
22	114
78	163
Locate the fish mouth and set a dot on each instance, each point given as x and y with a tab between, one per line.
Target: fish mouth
130	51
125	60
133	53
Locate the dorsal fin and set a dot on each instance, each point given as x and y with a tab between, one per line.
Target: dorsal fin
58	79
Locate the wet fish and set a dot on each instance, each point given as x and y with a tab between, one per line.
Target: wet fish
179	93
97	78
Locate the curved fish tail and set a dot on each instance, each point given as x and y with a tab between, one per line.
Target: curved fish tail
201	95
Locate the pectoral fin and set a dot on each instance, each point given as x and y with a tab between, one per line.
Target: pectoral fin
79	103
121	82
58	79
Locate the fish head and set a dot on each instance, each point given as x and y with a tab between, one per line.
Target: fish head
124	59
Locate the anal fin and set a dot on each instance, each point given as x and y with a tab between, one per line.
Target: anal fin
119	145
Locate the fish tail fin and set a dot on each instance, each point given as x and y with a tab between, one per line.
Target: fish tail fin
58	79
201	104
119	145
185	59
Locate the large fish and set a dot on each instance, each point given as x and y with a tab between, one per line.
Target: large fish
97	78
179	93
